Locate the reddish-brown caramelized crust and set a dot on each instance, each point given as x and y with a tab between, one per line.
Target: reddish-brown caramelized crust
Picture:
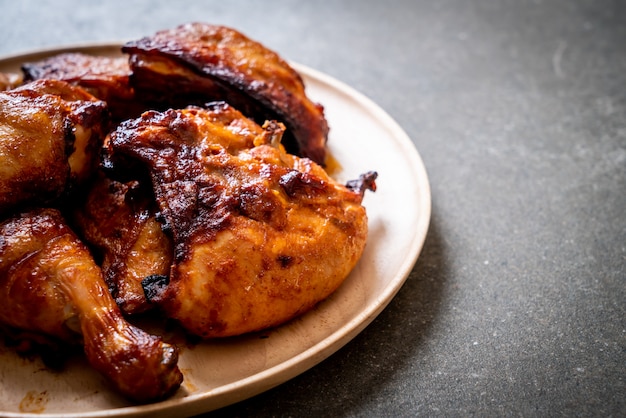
106	78
197	63
260	235
50	136
118	221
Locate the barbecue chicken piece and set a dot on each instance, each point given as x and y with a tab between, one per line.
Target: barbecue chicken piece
197	63
260	235
50	137
118	221
107	78
50	284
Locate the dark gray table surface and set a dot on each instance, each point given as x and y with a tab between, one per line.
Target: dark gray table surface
517	303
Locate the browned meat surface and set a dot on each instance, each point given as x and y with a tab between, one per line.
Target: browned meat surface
50	284
107	78
197	63
118	221
260	235
50	136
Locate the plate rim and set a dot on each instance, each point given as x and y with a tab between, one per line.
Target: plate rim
225	395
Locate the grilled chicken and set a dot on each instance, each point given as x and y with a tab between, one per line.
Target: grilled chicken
197	63
118	220
106	78
50	284
226	226
50	136
260	235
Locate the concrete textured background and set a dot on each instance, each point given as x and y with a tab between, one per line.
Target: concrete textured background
517	304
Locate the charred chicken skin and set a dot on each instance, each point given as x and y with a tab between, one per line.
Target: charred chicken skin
50	284
106	78
196	63
260	235
50	136
118	220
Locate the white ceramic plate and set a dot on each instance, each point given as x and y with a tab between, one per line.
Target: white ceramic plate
363	137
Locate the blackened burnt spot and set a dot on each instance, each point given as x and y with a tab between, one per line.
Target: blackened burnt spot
365	182
154	285
295	182
284	260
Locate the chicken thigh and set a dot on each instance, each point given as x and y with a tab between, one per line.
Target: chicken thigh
197	63
260	235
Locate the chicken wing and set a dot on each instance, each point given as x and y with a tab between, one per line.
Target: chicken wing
260	235
106	78
196	63
118	220
50	284
50	136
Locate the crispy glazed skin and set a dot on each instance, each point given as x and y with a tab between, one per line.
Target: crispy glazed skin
50	136
50	284
260	235
118	220
107	78
197	63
